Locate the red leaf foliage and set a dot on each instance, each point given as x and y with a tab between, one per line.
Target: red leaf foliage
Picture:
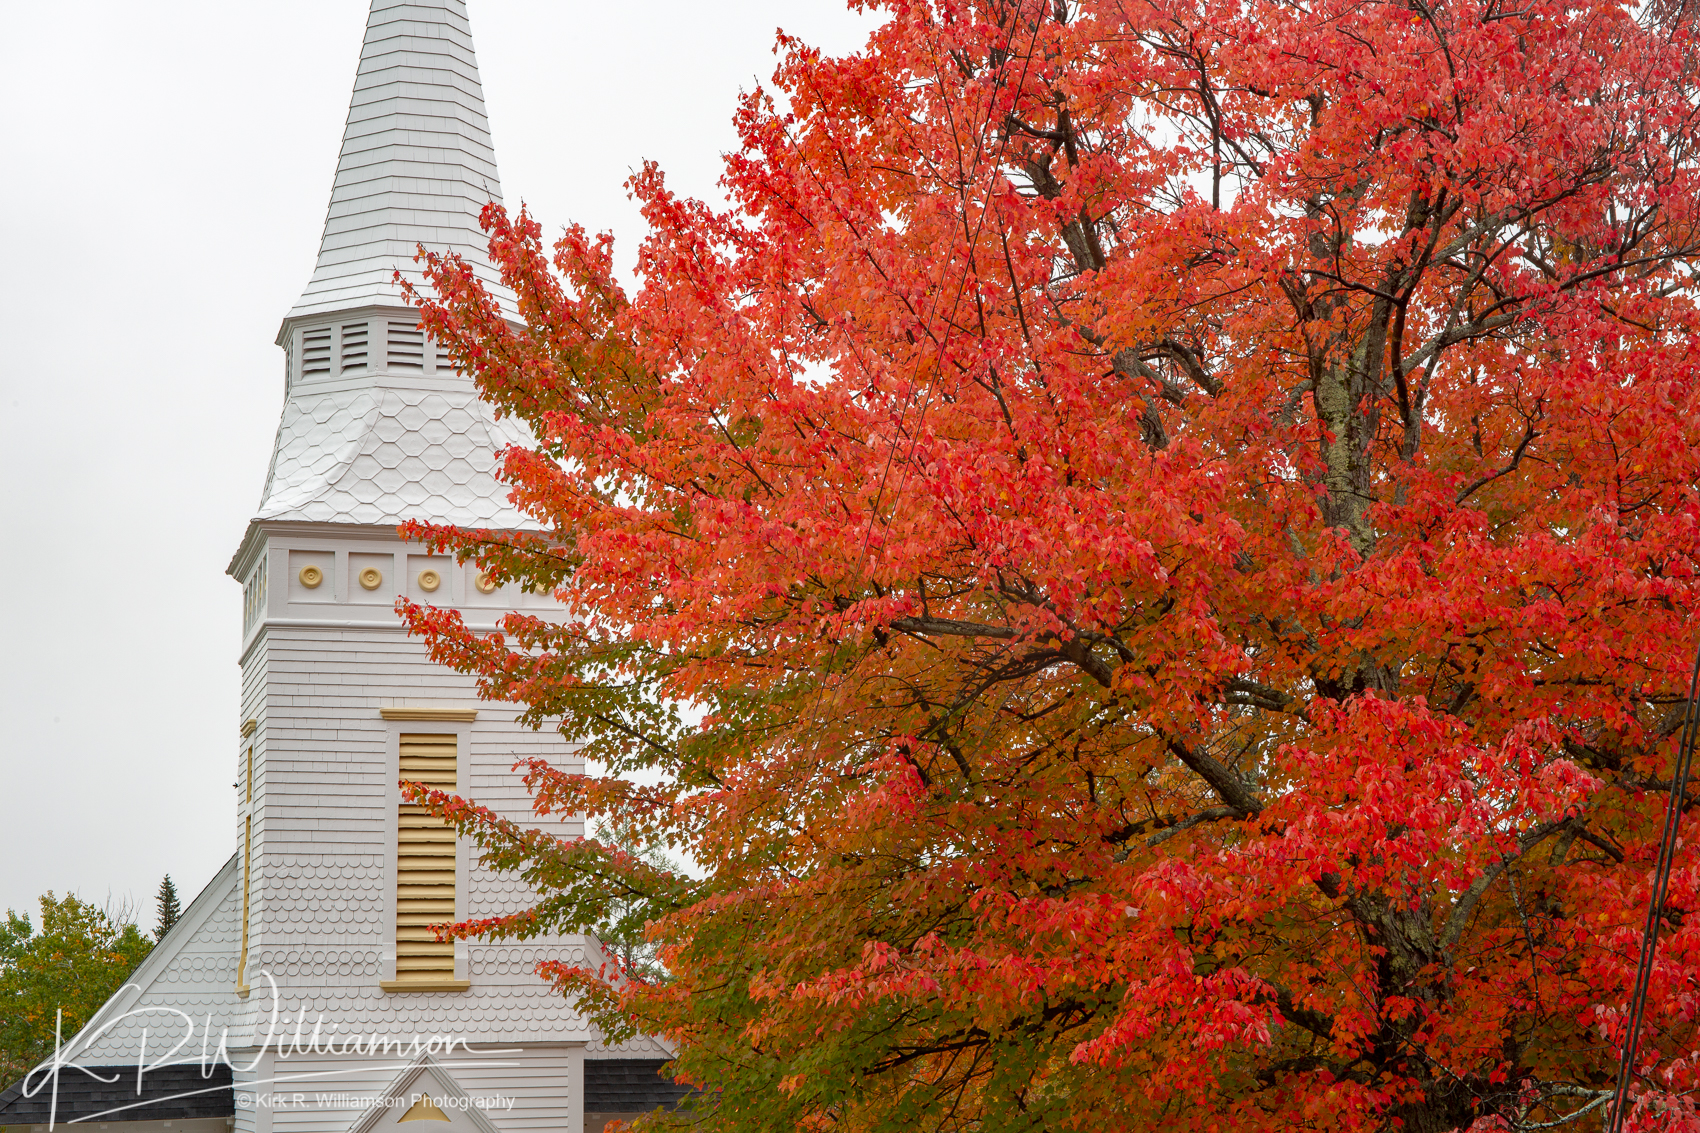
1175	527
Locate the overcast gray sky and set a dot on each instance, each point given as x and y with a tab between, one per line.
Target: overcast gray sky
167	167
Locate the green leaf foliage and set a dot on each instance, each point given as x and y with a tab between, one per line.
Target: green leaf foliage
78	958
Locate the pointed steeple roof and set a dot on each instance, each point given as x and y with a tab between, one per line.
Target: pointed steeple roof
416	165
378	427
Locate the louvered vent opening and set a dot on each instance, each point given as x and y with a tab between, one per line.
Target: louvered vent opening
353	347
425	865
316	352
253	598
247	883
407	347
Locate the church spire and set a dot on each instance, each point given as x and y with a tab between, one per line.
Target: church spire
416	165
378	426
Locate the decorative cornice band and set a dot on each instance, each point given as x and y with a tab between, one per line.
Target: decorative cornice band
461	715
394	625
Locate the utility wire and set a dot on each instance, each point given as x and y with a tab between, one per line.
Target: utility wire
1656	903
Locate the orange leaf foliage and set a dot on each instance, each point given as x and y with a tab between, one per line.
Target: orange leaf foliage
1179	522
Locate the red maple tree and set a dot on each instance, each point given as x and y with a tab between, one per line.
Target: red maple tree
1177	527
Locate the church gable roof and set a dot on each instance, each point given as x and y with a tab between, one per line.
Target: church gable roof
416	166
191	972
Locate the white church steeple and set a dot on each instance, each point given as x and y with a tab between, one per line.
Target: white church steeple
329	900
416	165
377	427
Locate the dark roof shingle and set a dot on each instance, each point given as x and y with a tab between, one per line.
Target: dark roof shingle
169	1093
629	1085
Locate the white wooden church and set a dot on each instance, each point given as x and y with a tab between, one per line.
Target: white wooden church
309	995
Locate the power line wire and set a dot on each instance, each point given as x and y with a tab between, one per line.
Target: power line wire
1656	903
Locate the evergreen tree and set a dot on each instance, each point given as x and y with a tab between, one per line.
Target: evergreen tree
169	909
622	930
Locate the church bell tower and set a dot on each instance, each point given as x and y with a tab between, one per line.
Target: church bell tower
339	880
313	944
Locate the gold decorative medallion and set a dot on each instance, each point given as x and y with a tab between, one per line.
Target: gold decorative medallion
485	583
371	578
429	580
311	576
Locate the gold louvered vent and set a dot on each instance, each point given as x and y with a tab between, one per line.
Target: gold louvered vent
353	347
406	347
425	865
316	352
